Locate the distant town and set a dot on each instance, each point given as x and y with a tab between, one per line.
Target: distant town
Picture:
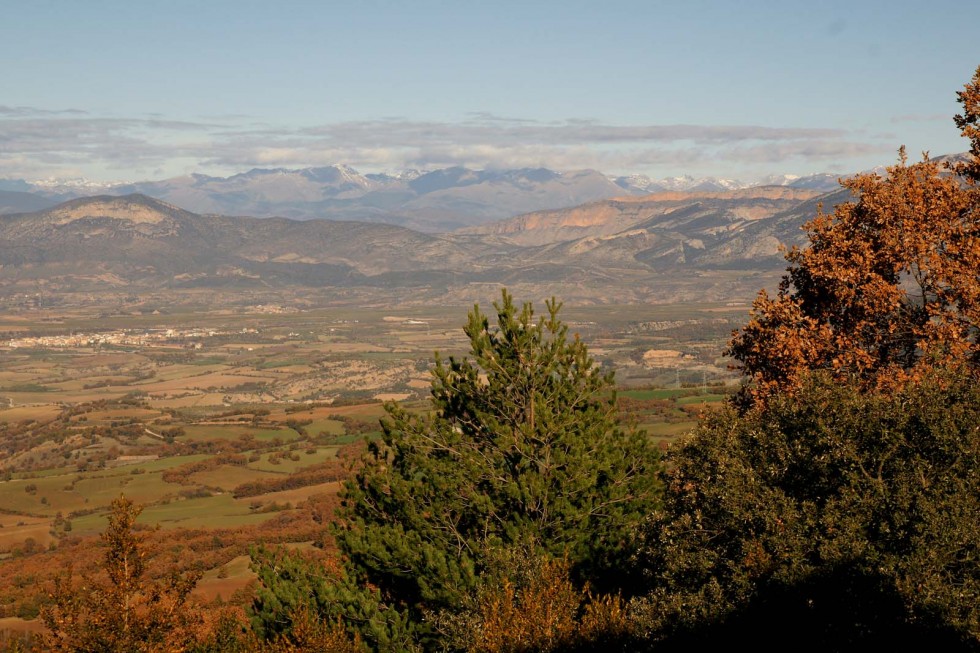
136	337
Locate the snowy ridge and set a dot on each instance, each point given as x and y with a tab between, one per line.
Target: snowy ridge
344	175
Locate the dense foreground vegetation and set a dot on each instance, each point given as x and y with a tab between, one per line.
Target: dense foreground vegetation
834	506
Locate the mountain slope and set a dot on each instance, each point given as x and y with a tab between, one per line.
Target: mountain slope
693	214
12	201
440	200
137	239
662	247
432	201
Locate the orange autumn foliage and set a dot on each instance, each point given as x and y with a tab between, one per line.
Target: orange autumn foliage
533	605
122	610
311	635
888	285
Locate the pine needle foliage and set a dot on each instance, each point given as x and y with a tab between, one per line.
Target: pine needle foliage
522	442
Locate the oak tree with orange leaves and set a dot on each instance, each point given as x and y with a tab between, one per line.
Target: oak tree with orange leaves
888	285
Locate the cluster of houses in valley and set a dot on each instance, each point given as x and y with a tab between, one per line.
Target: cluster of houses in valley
127	337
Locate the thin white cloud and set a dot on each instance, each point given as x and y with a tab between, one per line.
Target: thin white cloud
34	111
804	149
38	142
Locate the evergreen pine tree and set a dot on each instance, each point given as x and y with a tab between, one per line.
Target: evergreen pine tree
523	444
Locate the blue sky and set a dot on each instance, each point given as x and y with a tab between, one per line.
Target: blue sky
138	90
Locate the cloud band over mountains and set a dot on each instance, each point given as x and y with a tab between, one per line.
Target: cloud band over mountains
37	143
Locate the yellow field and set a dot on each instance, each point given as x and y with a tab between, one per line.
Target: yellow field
19	413
293	496
171	372
201	382
78	385
11	377
299	368
15	529
238	575
228	477
121	413
192	400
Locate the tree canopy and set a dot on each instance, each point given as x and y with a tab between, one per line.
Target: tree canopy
522	445
888	284
850	515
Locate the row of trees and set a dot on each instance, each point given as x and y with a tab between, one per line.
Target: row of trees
834	506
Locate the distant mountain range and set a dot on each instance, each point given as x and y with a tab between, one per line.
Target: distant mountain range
419	236
431	201
669	246
641	184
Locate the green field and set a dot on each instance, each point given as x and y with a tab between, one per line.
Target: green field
287	465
